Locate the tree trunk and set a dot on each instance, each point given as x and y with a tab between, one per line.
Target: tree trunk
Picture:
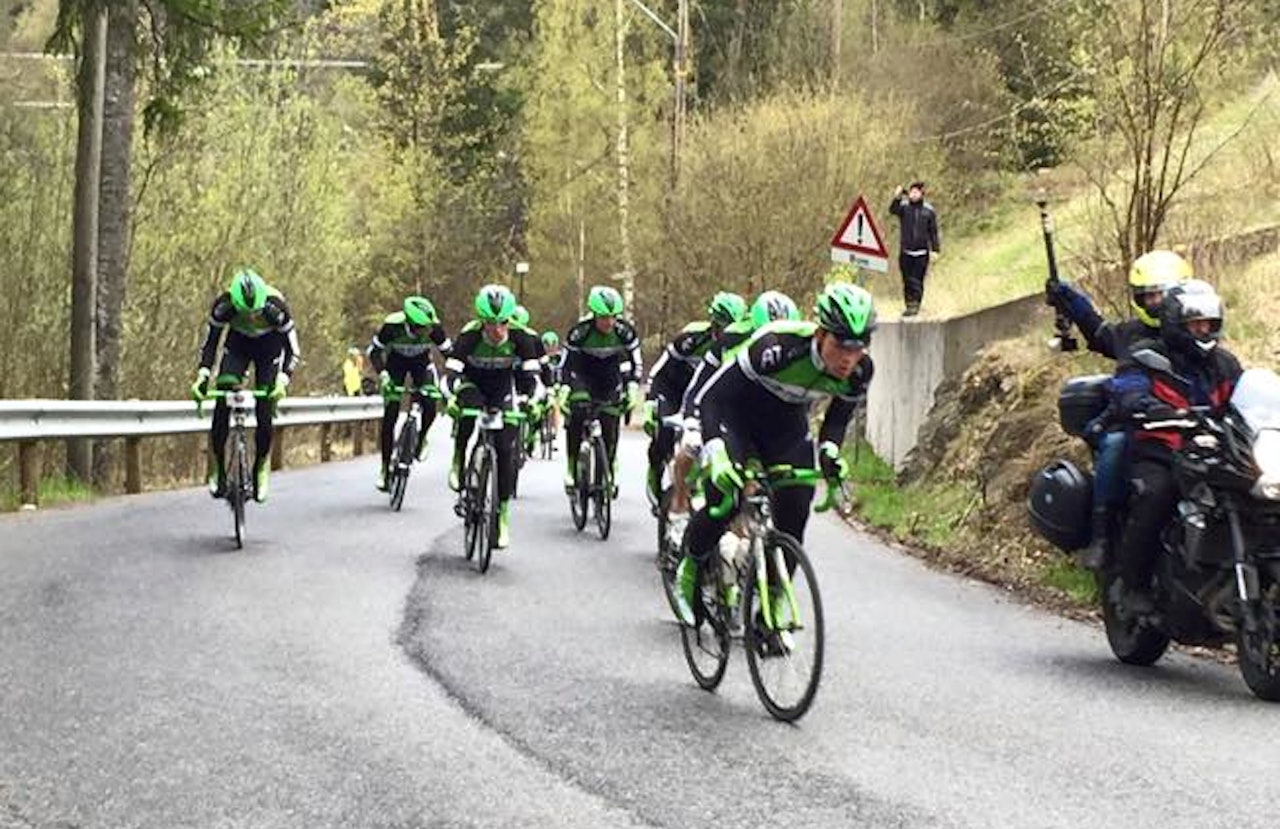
114	204
624	171
84	253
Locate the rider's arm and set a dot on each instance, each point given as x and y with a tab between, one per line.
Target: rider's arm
219	317
378	347
277	313
1098	333
632	369
527	368
440	338
456	363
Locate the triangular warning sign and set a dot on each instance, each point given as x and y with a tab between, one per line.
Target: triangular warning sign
858	233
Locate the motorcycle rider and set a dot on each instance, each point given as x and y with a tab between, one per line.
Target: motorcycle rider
1201	373
1151	276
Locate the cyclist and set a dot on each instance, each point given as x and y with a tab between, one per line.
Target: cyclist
485	367
259	332
552	374
603	354
757	406
402	350
1151	277
770	306
670	376
532	406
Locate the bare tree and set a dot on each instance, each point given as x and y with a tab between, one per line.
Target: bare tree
114	203
1152	60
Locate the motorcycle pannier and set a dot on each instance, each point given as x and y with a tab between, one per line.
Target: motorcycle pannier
1059	505
1080	401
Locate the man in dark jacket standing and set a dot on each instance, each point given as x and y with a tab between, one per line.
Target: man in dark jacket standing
917	242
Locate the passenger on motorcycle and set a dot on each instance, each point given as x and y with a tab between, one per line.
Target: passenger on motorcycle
1150	278
1203	373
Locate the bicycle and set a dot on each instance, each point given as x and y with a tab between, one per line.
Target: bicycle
404	449
547	429
478	500
592	492
237	466
781	605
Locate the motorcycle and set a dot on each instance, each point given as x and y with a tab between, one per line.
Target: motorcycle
1217	576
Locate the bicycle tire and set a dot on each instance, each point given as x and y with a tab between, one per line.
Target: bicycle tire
236	489
603	490
487	514
470	498
668	557
706	639
548	437
578	498
766	648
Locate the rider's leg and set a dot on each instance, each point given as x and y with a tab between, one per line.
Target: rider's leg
661	447
609	426
790	502
469	397
681	468
702	538
424	377
573	431
1152	505
390	411
1108	489
266	365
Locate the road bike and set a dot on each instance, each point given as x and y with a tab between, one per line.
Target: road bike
593	487
478	500
408	429
237	462
769	583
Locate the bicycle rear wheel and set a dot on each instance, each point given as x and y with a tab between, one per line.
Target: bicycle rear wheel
579	497
603	491
237	487
706	641
487	512
784	649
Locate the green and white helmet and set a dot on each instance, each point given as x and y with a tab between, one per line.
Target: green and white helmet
248	291
419	311
772	306
848	312
550	339
604	301
520	316
495	303
726	308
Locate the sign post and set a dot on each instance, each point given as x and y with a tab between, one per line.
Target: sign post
522	268
858	241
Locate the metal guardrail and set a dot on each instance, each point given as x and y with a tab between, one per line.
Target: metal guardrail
56	419
28	422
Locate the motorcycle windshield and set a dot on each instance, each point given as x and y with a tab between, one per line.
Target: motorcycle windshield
1257	399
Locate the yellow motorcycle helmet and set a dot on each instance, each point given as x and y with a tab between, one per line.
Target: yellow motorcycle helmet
1151	275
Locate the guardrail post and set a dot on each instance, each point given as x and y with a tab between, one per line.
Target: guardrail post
29	473
277	449
326	446
357	439
133	465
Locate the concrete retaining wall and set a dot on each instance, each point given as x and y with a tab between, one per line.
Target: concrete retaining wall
914	356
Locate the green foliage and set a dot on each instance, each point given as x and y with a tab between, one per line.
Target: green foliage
1081	586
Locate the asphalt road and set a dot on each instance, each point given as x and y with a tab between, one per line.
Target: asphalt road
349	669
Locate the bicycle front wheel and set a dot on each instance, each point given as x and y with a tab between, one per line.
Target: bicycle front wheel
603	493
579	497
783	628
487	513
238	486
470	496
401	460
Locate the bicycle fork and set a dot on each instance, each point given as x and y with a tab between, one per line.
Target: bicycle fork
762	584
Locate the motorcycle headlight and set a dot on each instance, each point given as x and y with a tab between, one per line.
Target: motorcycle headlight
1266	454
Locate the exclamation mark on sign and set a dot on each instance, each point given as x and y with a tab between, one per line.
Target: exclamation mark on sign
859	218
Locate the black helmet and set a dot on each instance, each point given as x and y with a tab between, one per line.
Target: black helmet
1191	301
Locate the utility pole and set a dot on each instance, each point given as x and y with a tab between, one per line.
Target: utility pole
84	267
624	184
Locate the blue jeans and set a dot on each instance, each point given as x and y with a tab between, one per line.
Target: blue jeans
1108	463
